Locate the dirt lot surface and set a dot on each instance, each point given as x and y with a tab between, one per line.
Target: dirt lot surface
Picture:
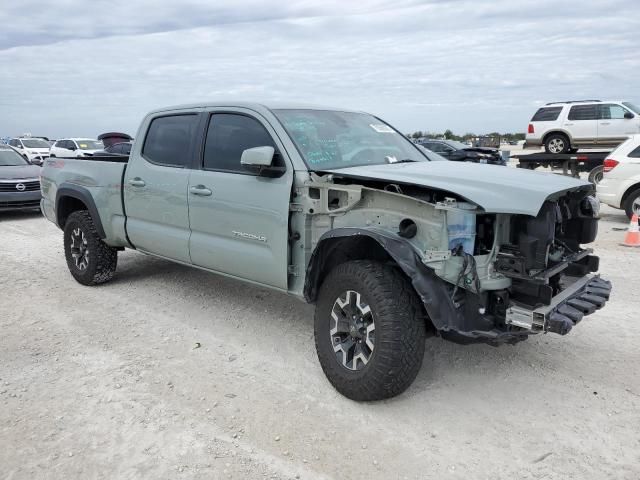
169	372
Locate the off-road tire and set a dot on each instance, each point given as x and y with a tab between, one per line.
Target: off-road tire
634	196
102	259
595	175
400	330
555	139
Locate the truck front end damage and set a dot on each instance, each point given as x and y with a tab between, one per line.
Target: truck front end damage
483	276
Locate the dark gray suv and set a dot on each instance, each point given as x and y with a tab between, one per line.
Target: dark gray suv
19	181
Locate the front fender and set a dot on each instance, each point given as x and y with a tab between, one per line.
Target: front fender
459	324
430	288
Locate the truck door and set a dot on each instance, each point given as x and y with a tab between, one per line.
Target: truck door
613	127
582	122
239	221
156	184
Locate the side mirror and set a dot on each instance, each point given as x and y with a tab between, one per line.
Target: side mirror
19	146
73	148
259	160
257	156
628	115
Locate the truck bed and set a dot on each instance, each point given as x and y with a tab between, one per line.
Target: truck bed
100	158
99	177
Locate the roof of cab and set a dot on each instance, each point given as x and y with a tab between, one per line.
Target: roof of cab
256	106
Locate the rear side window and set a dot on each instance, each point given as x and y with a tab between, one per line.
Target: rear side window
228	136
168	140
635	153
546	114
583	112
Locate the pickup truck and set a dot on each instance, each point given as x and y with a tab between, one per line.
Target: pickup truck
339	209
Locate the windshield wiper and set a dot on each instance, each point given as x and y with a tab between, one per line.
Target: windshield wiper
394	160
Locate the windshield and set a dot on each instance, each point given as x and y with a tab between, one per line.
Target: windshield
89	145
329	139
10	158
631	106
35	143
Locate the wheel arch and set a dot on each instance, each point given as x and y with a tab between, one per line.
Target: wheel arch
630	189
345	244
557	131
71	198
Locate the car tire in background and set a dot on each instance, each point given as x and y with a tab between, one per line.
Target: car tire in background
595	175
557	143
370	330
631	200
90	260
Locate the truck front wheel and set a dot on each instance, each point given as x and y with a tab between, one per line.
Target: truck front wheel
370	330
90	260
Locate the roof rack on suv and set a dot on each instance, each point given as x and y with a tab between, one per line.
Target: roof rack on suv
574	101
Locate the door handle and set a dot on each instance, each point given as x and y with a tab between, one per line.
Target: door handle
137	182
569	124
605	123
200	190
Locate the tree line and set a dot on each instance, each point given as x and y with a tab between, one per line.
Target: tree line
449	135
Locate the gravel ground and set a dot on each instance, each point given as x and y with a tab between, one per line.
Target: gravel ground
170	372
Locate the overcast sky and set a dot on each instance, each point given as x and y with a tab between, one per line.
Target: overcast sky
79	68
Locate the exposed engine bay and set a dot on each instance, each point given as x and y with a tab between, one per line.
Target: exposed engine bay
483	277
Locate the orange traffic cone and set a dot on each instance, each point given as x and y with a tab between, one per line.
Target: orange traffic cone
632	237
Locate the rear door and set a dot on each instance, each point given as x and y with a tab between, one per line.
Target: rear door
156	184
582	123
239	221
613	127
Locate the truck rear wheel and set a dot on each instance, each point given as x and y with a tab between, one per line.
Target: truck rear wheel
90	260
370	330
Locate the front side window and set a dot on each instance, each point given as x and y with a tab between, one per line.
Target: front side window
331	139
168	140
230	134
612	112
583	112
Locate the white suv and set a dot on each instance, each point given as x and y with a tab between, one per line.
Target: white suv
563	127
36	150
76	147
620	185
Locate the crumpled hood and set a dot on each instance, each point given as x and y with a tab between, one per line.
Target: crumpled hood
19	172
495	188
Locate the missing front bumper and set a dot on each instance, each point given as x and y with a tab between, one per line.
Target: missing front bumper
582	297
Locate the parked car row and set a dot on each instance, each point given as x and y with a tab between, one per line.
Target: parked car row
37	149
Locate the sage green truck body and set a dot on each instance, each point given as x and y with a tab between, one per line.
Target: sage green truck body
286	231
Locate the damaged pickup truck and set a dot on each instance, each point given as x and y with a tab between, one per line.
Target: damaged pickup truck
341	210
